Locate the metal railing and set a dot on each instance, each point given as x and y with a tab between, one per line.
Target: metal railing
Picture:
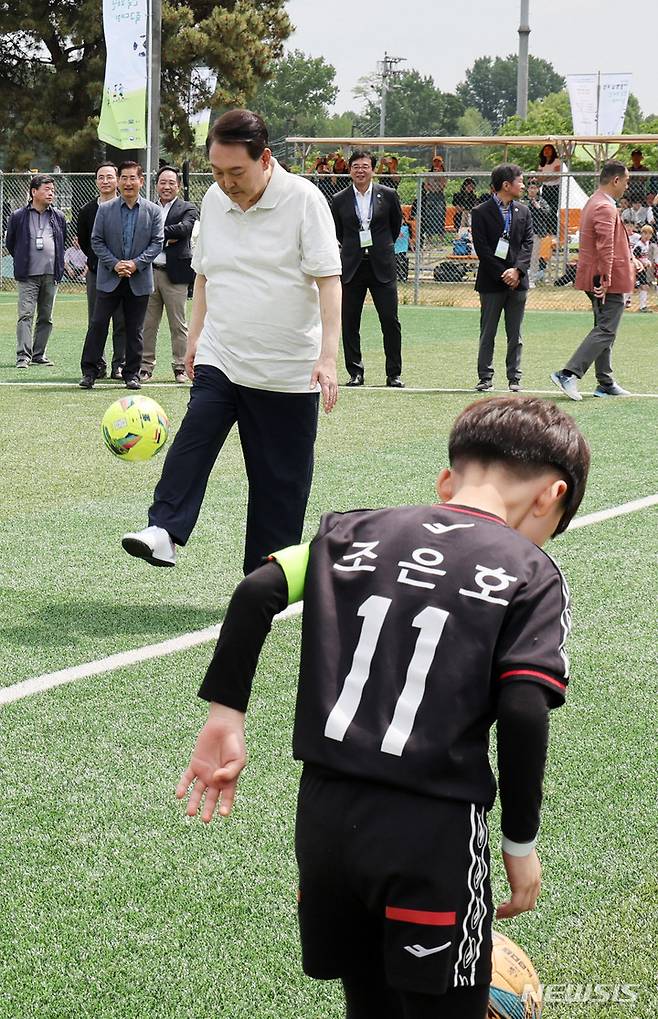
436	262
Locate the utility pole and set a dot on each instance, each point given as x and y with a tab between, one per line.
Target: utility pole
154	71
522	69
387	71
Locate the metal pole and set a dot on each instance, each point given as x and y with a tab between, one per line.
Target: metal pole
522	68
566	221
598	100
418	242
154	71
382	108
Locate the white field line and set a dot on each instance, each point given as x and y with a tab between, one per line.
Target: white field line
122	659
112	386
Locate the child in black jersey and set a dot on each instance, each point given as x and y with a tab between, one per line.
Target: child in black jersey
422	625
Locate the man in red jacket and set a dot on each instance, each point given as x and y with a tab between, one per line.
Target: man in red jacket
606	271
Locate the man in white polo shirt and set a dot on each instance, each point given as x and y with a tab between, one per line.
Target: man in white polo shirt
262	345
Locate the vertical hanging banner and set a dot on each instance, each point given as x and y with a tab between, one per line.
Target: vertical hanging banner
123	113
613	100
598	102
583	97
202	77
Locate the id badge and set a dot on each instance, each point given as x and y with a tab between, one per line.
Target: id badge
39	243
365	238
502	248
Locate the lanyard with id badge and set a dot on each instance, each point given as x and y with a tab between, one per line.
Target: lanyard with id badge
365	234
38	240
502	248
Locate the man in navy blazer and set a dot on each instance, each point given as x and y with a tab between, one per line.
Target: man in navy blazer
368	218
128	234
502	238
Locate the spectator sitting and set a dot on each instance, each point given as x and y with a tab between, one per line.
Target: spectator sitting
633	240
437	165
465	200
75	262
638	214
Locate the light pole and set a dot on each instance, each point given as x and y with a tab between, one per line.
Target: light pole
154	71
387	71
522	69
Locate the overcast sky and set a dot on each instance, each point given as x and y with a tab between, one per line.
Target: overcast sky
442	38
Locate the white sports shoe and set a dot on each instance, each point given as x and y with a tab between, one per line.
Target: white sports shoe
152	544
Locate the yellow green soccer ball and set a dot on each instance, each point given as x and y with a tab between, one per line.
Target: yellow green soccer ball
135	428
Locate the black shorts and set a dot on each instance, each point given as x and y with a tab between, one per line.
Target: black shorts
392	880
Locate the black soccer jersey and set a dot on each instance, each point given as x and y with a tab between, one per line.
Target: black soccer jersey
413	619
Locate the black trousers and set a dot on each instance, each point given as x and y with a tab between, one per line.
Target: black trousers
492	305
277	435
385	298
134	311
118	326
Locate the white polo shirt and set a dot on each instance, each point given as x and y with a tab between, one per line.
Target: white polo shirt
262	326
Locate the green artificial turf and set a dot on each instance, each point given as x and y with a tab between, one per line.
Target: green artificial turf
115	905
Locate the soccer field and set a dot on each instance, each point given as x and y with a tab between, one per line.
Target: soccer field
116	905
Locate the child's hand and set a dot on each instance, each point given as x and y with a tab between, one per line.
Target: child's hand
217	761
524	877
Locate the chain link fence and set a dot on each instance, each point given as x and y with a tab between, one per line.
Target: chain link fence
436	262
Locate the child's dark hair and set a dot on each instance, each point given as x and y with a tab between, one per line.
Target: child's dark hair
526	435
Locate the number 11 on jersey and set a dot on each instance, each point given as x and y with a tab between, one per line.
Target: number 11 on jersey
430	622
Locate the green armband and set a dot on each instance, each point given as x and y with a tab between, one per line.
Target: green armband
294	561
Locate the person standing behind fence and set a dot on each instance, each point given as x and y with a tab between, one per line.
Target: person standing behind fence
606	271
128	233
540	212
502	237
36	236
368	218
549	169
172	276
106	183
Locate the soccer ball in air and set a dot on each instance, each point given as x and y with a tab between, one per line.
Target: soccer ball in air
135	428
515	991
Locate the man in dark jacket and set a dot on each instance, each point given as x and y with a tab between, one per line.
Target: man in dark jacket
502	237
106	182
368	218
36	238
172	276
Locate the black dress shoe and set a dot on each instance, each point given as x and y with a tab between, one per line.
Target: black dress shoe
133	384
395	382
87	382
355	380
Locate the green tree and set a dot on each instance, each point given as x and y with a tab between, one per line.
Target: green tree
490	85
52	59
298	95
414	106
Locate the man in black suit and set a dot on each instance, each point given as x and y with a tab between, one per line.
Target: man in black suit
173	273
106	183
502	237
368	218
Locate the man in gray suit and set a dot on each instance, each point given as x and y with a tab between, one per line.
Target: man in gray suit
128	234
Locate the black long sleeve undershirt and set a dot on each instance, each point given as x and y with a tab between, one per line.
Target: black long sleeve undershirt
522	715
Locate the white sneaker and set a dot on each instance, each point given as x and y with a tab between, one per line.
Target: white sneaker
152	544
